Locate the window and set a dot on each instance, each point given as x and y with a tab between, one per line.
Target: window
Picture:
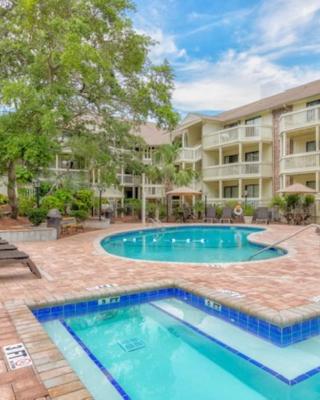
252	190
253	121
313	103
233	158
311	184
252	156
311	146
230	192
311	114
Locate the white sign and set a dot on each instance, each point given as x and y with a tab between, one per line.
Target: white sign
17	356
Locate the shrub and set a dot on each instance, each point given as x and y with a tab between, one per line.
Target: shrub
3	199
248	210
79	215
83	199
278	201
162	211
218	211
52	201
37	216
308	200
25	205
199	208
151	209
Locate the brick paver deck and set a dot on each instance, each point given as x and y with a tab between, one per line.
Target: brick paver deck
283	289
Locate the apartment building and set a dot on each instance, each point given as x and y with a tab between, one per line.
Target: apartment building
245	154
251	152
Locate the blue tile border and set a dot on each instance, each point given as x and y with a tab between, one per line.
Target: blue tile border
290	382
102	368
279	336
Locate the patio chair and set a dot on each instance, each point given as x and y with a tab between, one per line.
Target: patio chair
15	256
261	214
211	215
7	246
2	241
226	215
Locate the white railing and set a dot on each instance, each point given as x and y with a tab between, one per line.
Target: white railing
240	133
128	179
190	154
237	170
254	201
154	191
300	162
298	119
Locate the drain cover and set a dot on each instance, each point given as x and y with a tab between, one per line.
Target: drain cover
131	344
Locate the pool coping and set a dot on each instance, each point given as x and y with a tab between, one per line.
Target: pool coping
44	352
100	250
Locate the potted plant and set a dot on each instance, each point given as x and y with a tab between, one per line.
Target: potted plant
248	213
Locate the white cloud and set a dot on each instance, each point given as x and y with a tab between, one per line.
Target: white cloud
237	79
165	47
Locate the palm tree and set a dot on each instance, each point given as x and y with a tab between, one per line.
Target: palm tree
165	170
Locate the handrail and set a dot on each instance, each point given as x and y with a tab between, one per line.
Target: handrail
155	221
283	240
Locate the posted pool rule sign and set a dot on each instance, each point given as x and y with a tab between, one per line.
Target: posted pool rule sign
17	356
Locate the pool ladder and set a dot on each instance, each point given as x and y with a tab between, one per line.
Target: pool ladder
317	226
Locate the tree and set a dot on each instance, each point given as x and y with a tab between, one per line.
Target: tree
165	169
74	72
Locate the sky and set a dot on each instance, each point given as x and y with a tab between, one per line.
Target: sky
226	53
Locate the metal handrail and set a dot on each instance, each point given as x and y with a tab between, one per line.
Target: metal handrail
284	239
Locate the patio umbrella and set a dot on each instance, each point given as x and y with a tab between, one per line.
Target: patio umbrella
297	188
183	191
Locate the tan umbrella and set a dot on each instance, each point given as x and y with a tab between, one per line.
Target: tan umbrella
183	191
297	188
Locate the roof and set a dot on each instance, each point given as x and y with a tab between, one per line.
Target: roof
273	102
151	134
297	188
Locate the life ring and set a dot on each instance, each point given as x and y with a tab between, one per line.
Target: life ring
238	211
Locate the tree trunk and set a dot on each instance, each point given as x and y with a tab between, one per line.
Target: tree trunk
12	196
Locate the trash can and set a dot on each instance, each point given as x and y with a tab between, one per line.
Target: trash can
54	220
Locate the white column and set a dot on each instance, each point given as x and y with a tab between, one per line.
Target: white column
284	144
240	189
143	197
260	188
220	156
240	152
220	189
317	182
57	161
317	138
260	151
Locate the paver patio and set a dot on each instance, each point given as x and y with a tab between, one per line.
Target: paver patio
285	287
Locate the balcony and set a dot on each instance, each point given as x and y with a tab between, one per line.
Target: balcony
154	191
302	162
190	154
309	116
129	179
240	133
237	170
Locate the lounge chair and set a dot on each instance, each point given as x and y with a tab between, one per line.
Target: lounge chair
15	256
211	215
3	241
226	215
7	246
261	214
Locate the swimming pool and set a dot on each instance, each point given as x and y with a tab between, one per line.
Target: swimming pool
193	244
157	345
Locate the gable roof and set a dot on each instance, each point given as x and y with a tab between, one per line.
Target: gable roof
151	134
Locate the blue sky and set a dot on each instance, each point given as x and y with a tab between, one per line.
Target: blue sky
226	53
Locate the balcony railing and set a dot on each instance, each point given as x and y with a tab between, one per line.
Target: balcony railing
254	201
129	179
240	133
300	162
299	119
154	191
190	154
237	170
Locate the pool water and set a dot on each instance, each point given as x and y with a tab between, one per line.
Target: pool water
196	244
166	350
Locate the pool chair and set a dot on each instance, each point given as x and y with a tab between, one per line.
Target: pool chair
15	256
211	215
3	241
7	246
261	214
226	215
